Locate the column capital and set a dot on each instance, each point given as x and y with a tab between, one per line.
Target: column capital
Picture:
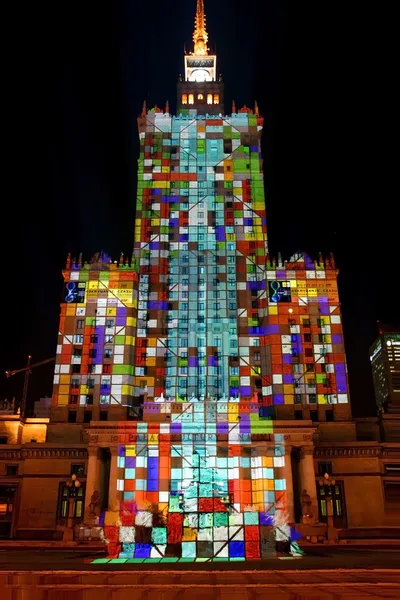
306	451
114	450
288	449
93	451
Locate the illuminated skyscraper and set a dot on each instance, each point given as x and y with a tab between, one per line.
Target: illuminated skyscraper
385	363
192	348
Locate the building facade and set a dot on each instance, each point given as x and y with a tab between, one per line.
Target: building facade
385	363
202	383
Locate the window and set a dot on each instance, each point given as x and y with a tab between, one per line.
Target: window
78	339
191	99
107	368
200	97
73	399
257	356
110	323
209	99
94	339
216	98
324	467
77	352
78	470
297	399
90	383
80	324
91	368
104	399
72	416
12	470
87	416
307	337
108	338
184	99
75	382
108	353
392	491
64	505
76	368
93	353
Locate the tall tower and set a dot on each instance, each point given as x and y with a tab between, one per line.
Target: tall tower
202	87
201	340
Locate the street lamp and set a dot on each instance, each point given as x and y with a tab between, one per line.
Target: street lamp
73	486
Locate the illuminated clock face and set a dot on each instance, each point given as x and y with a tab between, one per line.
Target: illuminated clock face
201	75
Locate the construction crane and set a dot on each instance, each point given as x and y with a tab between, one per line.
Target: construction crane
27	370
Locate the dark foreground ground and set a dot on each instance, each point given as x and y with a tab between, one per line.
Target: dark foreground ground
322	574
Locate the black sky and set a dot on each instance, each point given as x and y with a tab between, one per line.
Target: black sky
78	74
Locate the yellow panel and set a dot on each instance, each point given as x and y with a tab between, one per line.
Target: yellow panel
151	342
84	389
65	378
93	285
129	340
232	418
129	322
289	399
312	292
127	390
130	451
112	312
62	400
70	311
152	439
321	399
269	485
63	389
151	361
272	310
165	169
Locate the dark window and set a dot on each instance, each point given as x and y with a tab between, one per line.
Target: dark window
298	415
312	398
108	353
103	415
89	399
76	368
307	337
392	491
73	399
78	470
87	416
314	415
107	368
77	352
63	510
12	470
80	324
72	416
324	467
329	415
94	339
93	353
297	399
308	352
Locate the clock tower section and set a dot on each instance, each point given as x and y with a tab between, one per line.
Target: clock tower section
201	88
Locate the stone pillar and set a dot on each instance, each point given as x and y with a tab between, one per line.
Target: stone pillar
114	496
92	478
289	483
307	478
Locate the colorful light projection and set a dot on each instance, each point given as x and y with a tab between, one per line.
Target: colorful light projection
199	487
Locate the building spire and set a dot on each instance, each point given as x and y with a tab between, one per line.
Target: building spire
200	36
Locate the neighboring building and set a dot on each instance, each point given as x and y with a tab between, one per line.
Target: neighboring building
42	408
385	363
199	379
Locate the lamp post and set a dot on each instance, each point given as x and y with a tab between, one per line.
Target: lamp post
328	483
73	485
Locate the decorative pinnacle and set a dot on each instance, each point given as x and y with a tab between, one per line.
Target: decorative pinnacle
200	36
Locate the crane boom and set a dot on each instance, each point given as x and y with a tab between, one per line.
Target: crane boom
27	370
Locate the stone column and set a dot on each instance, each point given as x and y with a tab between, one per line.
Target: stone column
307	478
92	478
114	496
289	483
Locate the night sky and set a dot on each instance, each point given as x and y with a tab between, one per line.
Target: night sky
78	75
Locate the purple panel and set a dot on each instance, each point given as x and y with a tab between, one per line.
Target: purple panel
174	222
337	338
234	391
121	450
121	311
271	329
248	222
184	237
165	199
222	428
340	368
287	378
287	359
256	285
278	399
341	379
97	360
176	427
220	233
342	388
152	486
193	361
245	390
154	245
255	331
157	305
309	262
253	148
264	221
130	462
323	306
245	428
120	321
266	519
212	361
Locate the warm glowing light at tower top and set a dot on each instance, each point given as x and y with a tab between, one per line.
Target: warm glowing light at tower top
200	36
